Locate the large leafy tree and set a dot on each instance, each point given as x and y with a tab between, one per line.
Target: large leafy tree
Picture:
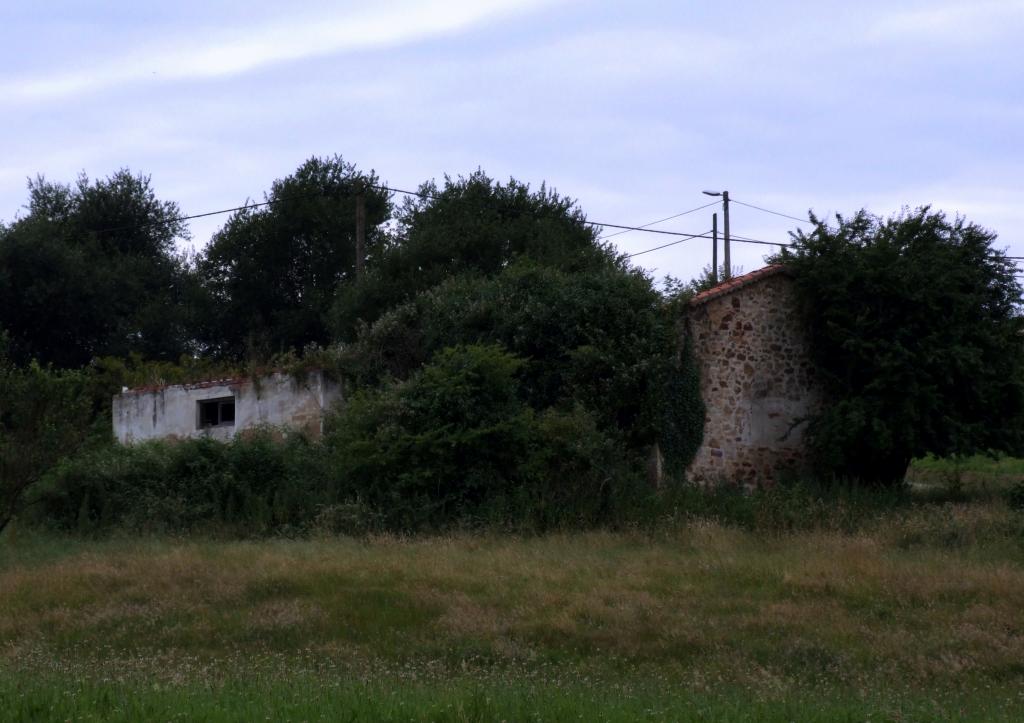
916	329
600	339
272	272
470	225
93	269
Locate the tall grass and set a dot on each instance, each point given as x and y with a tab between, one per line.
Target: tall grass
309	698
797	603
933	596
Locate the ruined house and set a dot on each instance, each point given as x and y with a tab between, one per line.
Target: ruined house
757	380
223	408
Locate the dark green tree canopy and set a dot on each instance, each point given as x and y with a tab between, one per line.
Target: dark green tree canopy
601	339
272	272
92	269
916	328
471	225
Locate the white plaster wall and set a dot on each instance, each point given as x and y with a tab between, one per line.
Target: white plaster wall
172	412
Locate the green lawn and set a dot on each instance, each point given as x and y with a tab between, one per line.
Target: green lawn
979	472
916	615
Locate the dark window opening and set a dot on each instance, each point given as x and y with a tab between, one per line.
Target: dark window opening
216	412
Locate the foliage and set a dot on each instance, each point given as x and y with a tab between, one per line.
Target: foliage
674	288
454	442
234	630
44	416
272	272
471	225
300	695
92	270
600	339
916	331
257	484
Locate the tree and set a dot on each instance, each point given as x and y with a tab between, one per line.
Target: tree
471	225
600	339
916	330
455	443
272	272
44	417
92	269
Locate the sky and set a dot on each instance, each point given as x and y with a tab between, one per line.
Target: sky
632	108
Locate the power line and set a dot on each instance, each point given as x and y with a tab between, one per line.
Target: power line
655	223
745	240
380	187
246	207
671	243
683	236
644	228
768	210
587	223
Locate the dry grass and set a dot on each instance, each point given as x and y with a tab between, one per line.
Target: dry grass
930	598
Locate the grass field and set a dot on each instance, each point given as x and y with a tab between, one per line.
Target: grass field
918	614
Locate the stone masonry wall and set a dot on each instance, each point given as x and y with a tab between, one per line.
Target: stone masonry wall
757	382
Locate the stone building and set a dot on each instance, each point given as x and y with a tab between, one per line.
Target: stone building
757	380
225	407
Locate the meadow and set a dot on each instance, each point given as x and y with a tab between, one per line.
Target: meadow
912	611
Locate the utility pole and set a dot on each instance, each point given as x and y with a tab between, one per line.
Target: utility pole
725	214
714	248
727	272
360	231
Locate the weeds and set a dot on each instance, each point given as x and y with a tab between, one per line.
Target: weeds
799	602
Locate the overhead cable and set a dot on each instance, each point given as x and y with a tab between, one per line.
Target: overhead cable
662	220
671	243
768	210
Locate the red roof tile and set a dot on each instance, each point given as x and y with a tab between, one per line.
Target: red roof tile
737	282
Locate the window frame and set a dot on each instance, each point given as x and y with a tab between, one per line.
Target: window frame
218	403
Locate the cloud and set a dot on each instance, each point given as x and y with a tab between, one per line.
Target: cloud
959	23
243	50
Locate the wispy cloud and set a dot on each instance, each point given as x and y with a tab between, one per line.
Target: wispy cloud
246	49
959	23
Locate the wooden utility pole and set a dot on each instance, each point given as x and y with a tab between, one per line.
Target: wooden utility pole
714	248
725	213
727	271
360	231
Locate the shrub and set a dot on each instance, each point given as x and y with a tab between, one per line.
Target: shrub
1015	496
915	328
601	339
454	444
258	484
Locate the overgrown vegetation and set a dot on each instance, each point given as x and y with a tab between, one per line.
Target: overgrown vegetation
918	338
840	604
44	417
504	368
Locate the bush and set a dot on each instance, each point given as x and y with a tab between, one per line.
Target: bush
1015	496
601	339
916	333
44	415
255	485
454	444
792	505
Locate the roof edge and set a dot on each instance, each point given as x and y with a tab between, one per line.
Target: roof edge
208	383
738	282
